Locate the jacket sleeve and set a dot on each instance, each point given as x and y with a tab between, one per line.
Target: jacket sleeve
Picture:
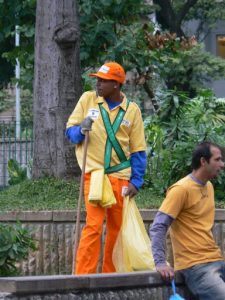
138	162
74	134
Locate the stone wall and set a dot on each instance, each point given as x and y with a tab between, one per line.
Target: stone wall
54	233
127	286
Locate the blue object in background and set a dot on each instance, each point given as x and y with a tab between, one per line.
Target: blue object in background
175	296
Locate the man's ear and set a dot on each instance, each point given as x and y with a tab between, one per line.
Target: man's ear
203	161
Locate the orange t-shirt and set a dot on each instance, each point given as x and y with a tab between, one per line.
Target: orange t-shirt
192	206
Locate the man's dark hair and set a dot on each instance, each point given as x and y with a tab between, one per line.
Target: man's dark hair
202	150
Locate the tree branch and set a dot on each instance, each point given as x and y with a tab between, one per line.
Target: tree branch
185	9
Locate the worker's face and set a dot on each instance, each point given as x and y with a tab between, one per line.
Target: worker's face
215	164
106	88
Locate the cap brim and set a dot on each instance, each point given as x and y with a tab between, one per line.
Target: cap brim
103	76
92	75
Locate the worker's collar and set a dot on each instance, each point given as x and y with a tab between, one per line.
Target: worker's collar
122	104
196	179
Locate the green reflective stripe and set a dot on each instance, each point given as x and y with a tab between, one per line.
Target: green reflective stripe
108	147
108	154
112	141
119	167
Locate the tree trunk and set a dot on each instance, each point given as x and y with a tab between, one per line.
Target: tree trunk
169	18
57	86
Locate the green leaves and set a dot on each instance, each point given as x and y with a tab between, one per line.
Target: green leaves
14	13
187	70
15	243
172	134
110	30
115	30
17	174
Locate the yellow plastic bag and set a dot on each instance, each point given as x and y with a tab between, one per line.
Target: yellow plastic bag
132	250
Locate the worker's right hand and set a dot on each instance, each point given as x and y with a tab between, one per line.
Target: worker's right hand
86	124
167	272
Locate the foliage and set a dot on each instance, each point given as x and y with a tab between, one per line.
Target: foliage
5	101
6	67
26	107
182	123
108	25
208	13
17	173
114	30
172	15
56	194
44	194
8	131
21	13
124	33
120	30
192	69
190	65
15	242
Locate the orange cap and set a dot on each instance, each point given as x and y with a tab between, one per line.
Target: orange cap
111	71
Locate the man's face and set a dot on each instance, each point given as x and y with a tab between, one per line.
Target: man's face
106	88
215	164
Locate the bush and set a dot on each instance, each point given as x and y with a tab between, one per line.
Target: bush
15	242
173	133
17	174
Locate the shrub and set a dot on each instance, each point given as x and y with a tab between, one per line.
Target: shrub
17	174
15	242
173	133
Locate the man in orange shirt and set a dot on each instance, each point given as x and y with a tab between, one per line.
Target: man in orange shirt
188	210
117	146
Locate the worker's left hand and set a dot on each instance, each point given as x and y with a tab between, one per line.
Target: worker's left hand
131	190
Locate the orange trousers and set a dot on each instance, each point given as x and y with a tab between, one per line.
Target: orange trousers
90	242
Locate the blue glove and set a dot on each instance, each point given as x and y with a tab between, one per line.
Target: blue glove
175	296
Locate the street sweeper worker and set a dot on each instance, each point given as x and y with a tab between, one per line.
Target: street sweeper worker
188	210
115	156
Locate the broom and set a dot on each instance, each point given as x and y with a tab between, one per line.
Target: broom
77	227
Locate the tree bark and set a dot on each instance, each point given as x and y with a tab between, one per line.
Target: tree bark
57	86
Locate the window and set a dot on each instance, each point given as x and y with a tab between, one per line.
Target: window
220	42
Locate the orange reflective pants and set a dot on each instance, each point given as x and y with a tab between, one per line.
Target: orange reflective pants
90	242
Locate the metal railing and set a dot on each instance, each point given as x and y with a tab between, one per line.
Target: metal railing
13	147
